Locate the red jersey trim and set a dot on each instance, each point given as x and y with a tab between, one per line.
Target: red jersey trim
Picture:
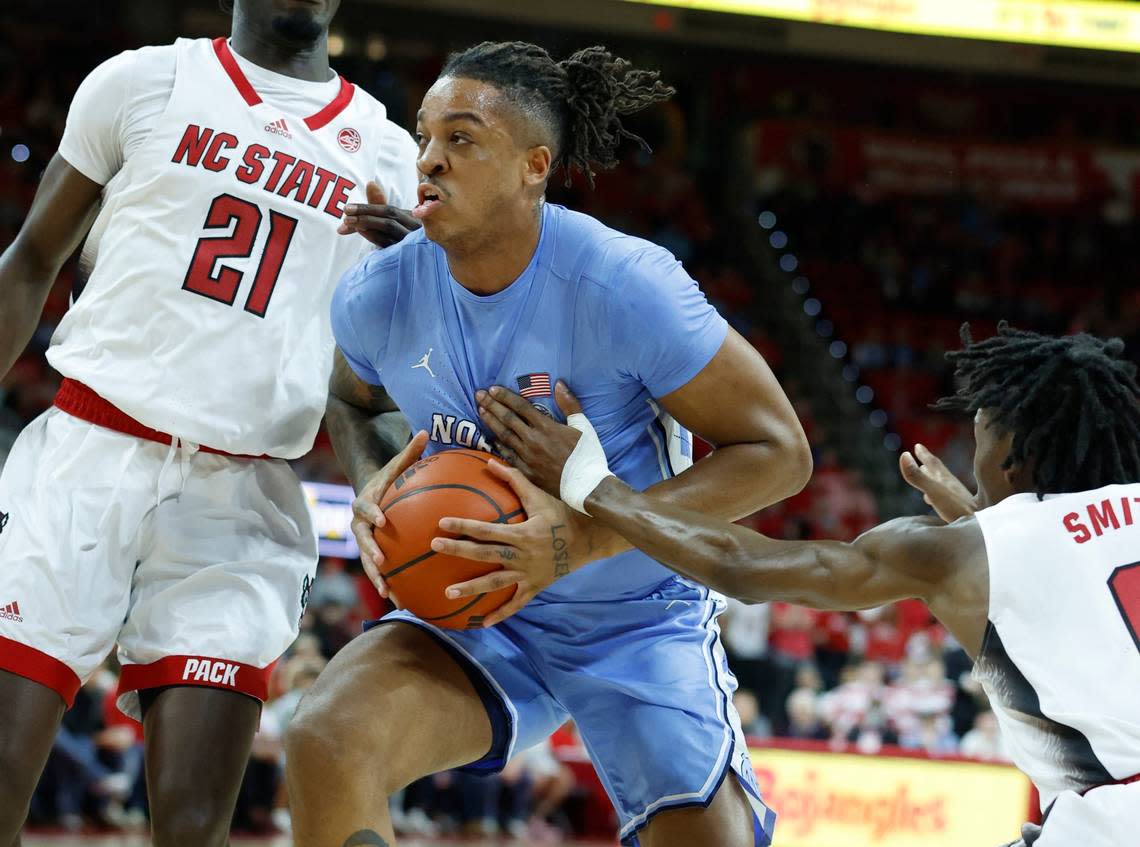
1128	780
233	70
81	402
252	98
197	670
38	666
338	105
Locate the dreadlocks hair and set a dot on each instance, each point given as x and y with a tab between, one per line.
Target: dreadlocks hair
1072	404
581	99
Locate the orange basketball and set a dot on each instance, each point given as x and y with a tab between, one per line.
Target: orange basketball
451	484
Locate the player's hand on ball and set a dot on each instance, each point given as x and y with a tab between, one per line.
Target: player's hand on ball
533	554
380	223
534	443
367	514
940	488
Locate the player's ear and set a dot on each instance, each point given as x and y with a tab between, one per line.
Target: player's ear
538	162
1019	476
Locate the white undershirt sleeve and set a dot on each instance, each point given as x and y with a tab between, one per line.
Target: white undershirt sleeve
93	139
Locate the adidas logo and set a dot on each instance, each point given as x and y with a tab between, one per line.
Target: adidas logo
11	612
279	127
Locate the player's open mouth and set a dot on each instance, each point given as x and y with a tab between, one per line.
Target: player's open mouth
430	199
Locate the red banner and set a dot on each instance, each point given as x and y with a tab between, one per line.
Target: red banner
879	163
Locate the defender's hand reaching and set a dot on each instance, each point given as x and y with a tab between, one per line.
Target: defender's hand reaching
565	461
380	223
550	543
940	488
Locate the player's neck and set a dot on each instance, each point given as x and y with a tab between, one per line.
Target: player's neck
264	49
492	264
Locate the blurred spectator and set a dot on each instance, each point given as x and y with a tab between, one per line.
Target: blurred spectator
754	724
863	689
932	734
745	631
791	642
94	772
803	717
536	785
984	741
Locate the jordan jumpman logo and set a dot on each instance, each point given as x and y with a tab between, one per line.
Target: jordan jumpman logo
423	363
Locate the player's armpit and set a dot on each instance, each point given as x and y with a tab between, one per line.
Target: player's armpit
345	385
365	425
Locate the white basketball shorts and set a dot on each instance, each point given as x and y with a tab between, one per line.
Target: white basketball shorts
194	563
1108	816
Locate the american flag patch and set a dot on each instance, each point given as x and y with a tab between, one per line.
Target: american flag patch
534	385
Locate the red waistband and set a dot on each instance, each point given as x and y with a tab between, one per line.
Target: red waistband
81	402
1128	780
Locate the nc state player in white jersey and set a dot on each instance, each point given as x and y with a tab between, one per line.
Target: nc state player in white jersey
152	507
1038	576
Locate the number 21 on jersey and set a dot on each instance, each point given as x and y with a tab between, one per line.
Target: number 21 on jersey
221	283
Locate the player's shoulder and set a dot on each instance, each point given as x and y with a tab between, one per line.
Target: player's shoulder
147	62
603	257
379	273
929	537
368	106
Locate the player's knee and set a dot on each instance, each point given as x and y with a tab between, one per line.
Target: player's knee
199	821
327	734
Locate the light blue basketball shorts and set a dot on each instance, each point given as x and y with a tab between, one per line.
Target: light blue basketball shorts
645	680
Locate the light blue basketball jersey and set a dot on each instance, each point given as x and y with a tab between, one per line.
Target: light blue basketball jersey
615	316
627	649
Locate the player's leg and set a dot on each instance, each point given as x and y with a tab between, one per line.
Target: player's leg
727	822
391	707
676	766
404	700
216	598
29	716
197	748
68	523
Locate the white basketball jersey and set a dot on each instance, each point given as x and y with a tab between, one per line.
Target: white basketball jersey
1061	658
215	256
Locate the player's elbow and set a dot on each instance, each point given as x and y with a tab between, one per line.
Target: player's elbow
794	456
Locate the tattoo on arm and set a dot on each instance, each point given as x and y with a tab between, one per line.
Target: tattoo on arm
365	838
560	553
347	386
364	423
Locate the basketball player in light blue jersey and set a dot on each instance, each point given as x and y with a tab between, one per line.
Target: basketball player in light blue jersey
502	288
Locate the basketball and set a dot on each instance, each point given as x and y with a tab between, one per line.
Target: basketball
451	484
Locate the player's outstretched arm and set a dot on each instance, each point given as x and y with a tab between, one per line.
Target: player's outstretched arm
60	216
370	437
907	557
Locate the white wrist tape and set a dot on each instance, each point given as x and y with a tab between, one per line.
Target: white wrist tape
586	467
